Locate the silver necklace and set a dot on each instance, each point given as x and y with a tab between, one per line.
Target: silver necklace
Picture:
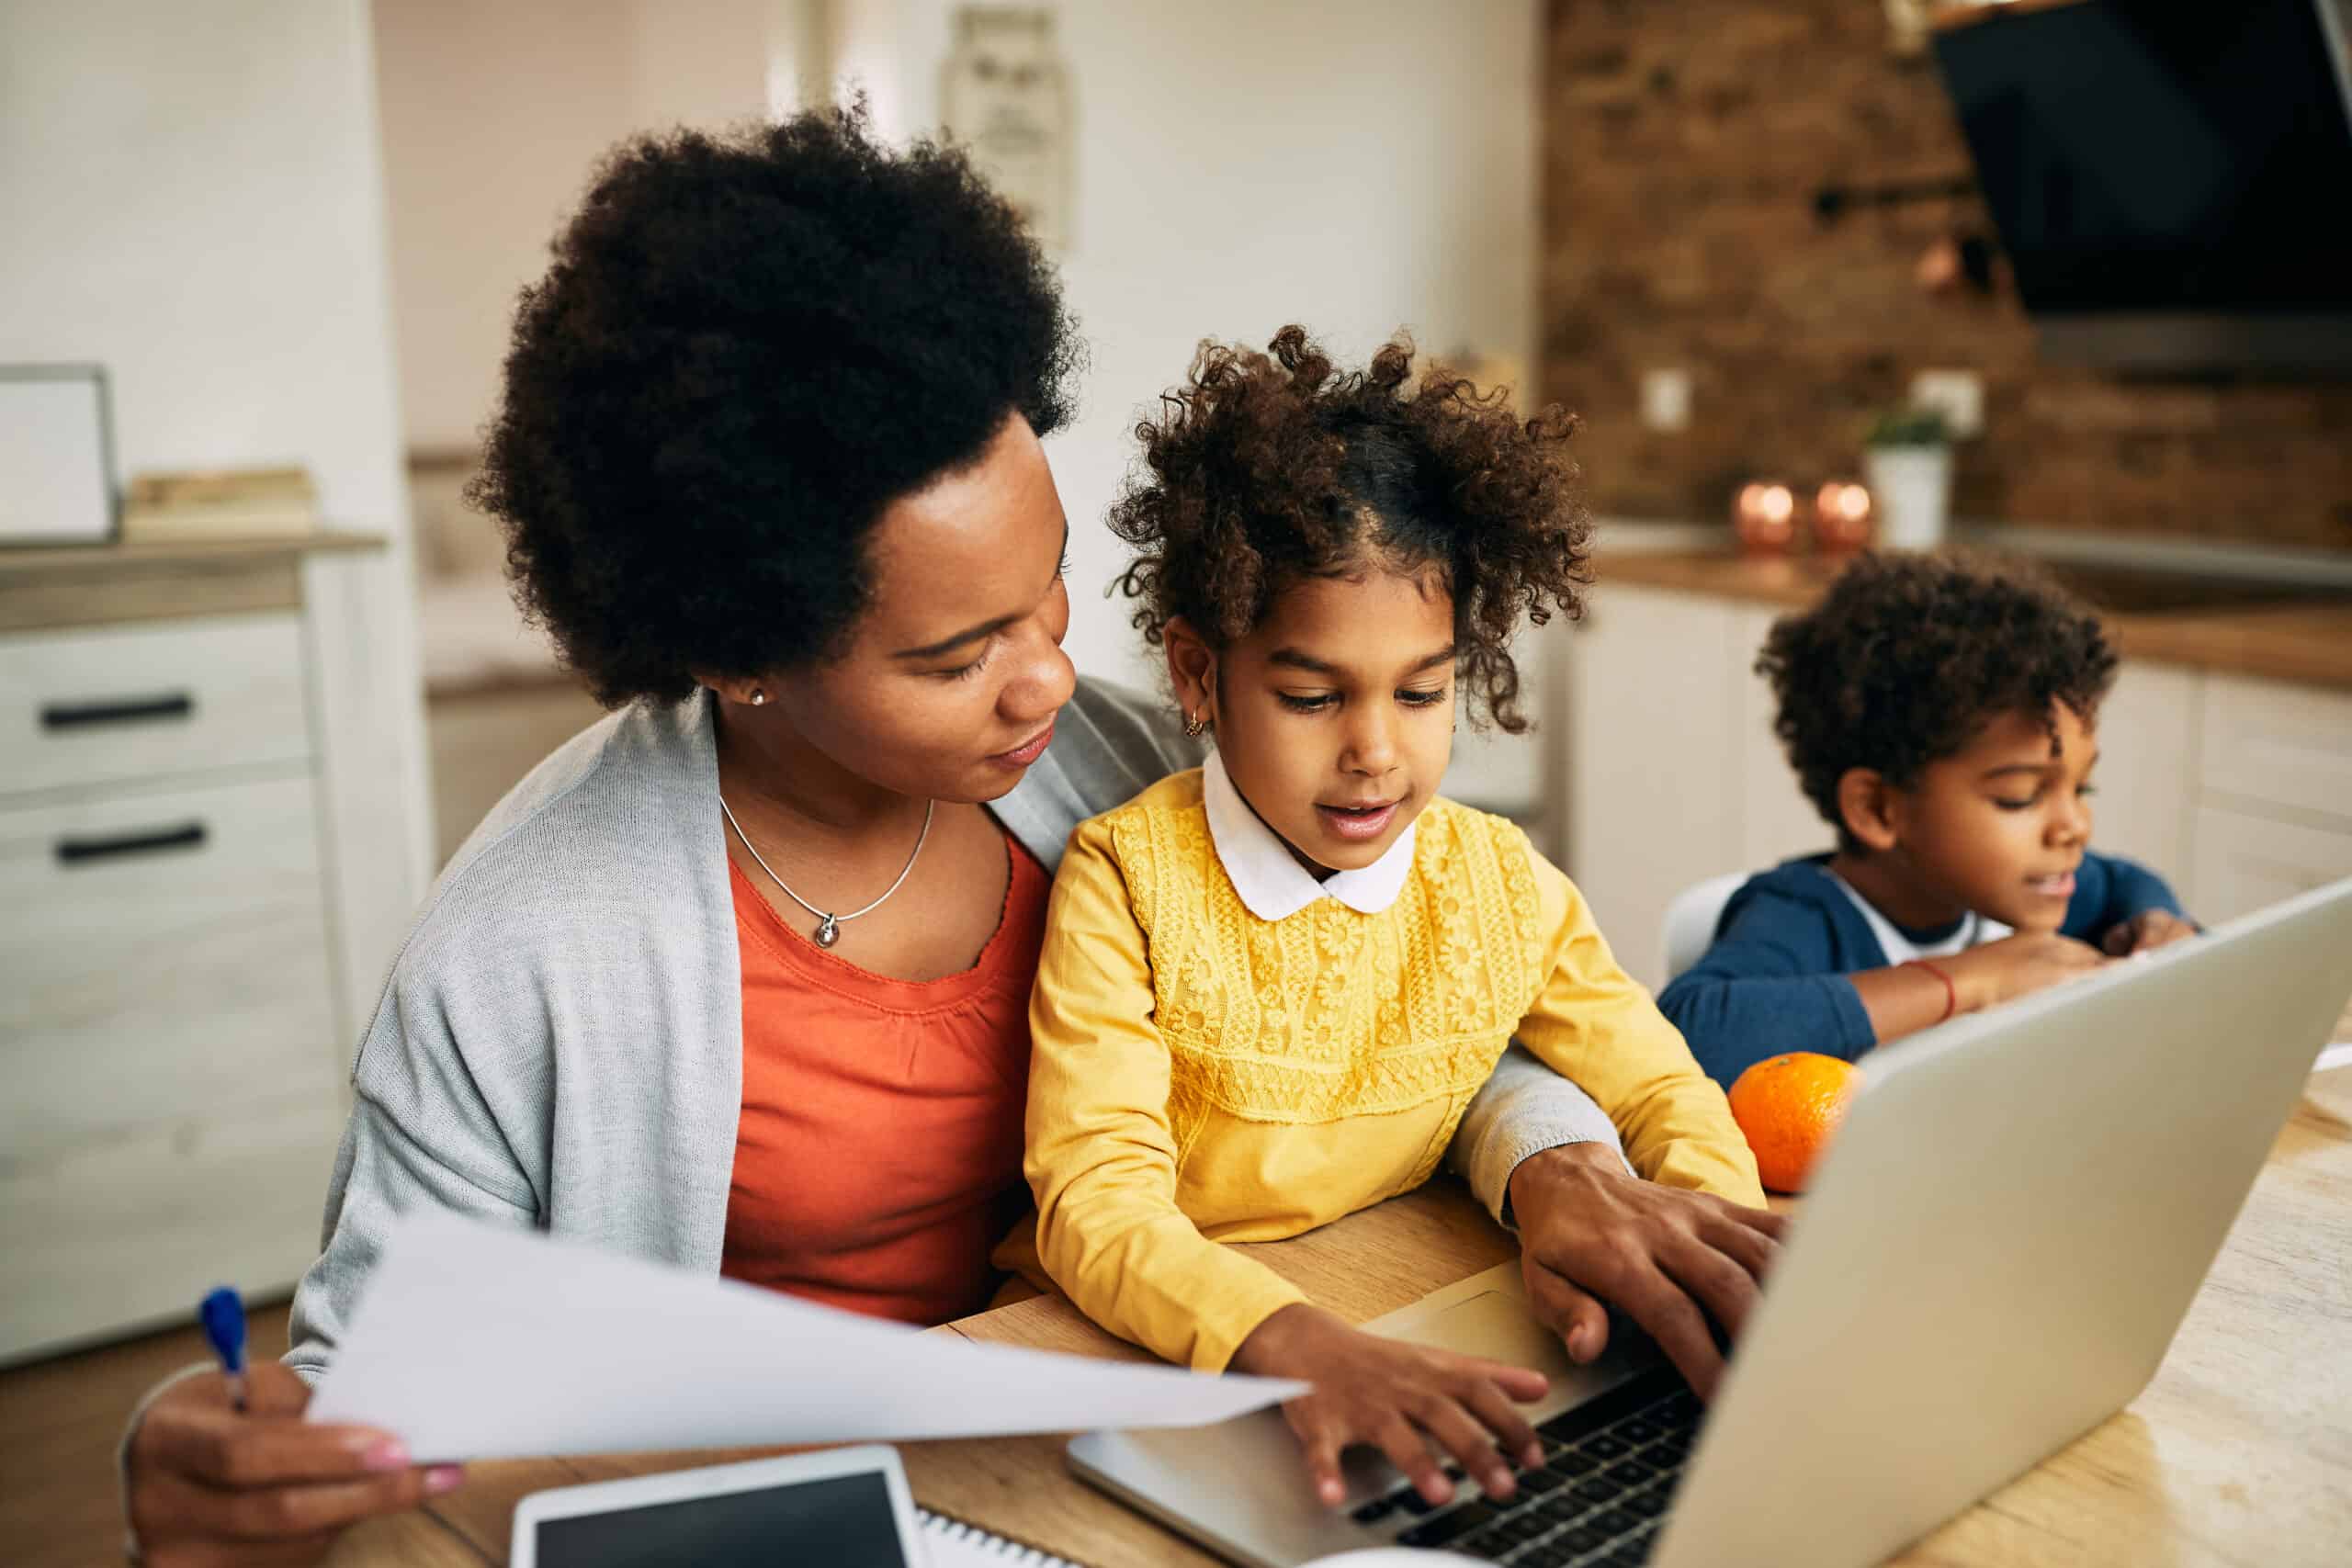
828	926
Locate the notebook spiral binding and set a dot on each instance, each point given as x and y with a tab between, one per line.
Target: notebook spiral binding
983	1546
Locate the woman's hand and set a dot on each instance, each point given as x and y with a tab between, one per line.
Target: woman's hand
2145	931
1397	1397
207	1484
1593	1236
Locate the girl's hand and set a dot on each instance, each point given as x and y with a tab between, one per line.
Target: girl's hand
2148	929
208	1484
1397	1397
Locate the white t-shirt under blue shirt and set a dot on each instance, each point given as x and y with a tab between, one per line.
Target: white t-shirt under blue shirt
1974	929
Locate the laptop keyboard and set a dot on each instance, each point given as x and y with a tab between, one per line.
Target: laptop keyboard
1609	1470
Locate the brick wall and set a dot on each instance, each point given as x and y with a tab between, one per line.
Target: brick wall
1683	142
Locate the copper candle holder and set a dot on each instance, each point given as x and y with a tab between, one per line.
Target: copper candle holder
1844	517
1764	515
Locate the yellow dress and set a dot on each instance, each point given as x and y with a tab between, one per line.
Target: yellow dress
1201	1075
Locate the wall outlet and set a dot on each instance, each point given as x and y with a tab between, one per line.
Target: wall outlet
1666	399
1958	395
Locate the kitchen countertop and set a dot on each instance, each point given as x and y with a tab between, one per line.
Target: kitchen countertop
2276	630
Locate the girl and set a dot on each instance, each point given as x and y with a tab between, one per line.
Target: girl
1271	984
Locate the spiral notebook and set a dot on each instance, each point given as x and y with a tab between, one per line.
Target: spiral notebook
952	1543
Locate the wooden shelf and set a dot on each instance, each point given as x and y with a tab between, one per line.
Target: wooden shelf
150	554
43	586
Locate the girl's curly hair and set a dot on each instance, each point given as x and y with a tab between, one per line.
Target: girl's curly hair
1263	470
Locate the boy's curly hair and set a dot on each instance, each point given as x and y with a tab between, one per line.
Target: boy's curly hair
747	346
1265	470
1909	657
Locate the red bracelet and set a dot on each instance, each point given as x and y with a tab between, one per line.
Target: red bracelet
1951	992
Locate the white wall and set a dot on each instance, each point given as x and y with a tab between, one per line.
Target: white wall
494	116
193	196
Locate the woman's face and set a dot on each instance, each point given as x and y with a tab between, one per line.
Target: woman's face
949	686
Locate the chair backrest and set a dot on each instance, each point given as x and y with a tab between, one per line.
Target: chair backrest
1691	919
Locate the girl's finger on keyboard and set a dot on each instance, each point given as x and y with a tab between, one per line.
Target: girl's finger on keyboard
1451	1424
1502	1418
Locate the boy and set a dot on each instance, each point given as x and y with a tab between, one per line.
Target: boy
1940	714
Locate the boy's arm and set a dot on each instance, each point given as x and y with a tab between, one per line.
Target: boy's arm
1592	1023
1101	1157
1767	986
2111	892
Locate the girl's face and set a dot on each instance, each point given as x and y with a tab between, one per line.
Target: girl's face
1335	716
952	678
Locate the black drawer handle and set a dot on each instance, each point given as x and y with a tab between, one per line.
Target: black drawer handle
76	852
129	710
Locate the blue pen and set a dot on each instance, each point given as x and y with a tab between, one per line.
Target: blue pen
223	1316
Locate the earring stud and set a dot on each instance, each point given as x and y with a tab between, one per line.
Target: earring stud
758	696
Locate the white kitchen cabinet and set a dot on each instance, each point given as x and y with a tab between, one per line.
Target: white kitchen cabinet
2275	775
1777	821
2237	790
2277	747
2146	786
2245	862
1654	707
193	910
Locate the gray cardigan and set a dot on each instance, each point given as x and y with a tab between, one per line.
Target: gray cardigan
559	1043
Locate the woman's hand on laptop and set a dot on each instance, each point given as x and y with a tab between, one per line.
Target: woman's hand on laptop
1398	1398
206	1483
2144	932
1592	1235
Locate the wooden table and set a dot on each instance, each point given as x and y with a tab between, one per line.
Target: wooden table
2240	1451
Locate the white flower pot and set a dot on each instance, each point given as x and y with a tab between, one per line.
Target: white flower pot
1912	488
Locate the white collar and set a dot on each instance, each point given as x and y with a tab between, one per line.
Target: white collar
1272	882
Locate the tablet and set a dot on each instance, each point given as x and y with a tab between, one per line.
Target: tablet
843	1507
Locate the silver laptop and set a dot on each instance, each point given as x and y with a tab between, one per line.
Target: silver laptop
1992	1260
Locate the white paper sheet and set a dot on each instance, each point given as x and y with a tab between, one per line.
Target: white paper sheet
472	1342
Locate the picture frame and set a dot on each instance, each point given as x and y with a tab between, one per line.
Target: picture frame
57	478
1004	95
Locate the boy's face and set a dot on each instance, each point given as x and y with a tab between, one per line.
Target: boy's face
1335	716
2000	826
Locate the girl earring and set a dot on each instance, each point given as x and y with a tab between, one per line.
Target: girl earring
1194	723
758	696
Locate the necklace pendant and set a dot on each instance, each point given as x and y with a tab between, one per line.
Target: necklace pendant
828	932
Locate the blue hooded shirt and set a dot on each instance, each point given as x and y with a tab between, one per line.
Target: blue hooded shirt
1774	979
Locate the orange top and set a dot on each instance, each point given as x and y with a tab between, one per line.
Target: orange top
878	1157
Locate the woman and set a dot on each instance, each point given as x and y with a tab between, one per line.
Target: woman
737	977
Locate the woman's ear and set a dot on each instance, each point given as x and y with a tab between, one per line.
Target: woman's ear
1868	805
736	688
1191	671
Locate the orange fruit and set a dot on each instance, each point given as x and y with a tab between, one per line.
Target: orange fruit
1790	1107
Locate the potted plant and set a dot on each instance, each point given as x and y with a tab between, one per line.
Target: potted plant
1908	463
